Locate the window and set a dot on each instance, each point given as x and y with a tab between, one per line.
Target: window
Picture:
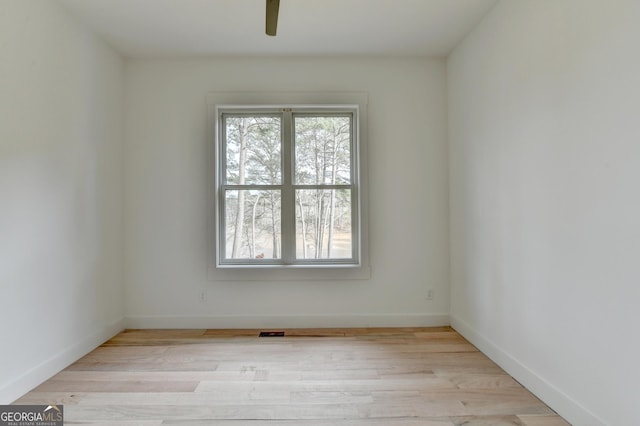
287	186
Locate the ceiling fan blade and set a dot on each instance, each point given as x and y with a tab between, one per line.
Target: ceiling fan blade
272	16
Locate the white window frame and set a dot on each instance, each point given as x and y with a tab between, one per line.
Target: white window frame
289	268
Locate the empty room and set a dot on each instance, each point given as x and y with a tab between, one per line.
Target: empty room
320	212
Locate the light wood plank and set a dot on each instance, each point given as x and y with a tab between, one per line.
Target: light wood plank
319	377
545	420
487	421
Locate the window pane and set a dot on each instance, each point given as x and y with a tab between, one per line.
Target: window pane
253	150
323	224
322	150
252	224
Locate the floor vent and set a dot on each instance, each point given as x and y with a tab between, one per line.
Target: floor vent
272	334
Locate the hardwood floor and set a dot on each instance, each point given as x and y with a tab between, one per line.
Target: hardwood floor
318	377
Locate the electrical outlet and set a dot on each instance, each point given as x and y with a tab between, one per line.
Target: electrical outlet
203	297
430	294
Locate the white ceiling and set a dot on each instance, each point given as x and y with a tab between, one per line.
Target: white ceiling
181	28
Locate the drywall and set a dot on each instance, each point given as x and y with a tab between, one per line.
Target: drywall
544	170
60	191
168	189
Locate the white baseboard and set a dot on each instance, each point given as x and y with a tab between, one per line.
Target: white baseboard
35	376
564	405
289	321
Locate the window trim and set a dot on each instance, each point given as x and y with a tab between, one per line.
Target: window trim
288	186
356	267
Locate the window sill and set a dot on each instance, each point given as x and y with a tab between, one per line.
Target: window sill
288	273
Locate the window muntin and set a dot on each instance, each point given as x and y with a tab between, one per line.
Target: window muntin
288	193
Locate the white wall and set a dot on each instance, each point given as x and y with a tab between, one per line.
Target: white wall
61	239
544	97
167	193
